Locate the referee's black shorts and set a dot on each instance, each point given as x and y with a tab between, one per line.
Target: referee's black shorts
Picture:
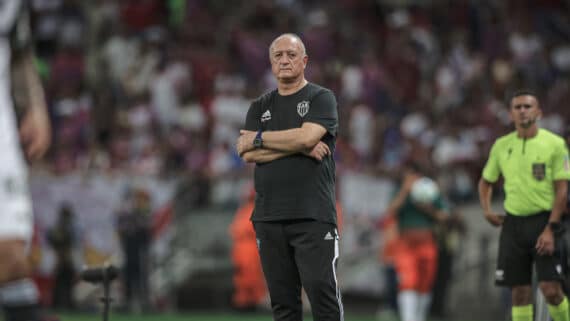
517	252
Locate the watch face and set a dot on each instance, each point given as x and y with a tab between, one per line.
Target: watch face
257	143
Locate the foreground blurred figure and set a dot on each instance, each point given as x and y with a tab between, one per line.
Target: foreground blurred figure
18	293
290	133
250	290
535	167
415	249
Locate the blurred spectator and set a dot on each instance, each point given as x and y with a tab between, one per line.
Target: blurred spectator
141	14
143	65
361	126
428	70
62	237
167	93
134	231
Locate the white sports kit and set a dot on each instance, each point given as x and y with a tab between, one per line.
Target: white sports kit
16	221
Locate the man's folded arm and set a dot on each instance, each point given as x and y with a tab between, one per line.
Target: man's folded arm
296	139
264	155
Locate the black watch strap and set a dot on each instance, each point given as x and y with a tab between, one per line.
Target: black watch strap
555	227
258	141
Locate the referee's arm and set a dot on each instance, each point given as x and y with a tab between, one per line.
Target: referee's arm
545	242
485	195
560	198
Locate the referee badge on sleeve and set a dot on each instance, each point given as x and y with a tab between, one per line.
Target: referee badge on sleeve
539	171
566	163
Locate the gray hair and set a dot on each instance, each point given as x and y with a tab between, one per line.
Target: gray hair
290	35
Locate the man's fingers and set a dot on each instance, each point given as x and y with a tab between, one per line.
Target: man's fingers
240	147
327	149
494	220
542	247
33	143
33	149
245	132
322	148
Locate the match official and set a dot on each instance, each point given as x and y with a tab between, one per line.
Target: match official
534	165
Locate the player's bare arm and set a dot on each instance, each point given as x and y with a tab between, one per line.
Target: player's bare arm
545	243
485	194
35	131
398	201
299	139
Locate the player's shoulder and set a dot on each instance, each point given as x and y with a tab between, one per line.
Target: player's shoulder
264	98
316	90
551	137
505	139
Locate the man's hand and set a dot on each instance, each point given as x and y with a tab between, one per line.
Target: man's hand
320	151
245	141
35	133
494	218
545	242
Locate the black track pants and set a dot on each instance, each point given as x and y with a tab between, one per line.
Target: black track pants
300	253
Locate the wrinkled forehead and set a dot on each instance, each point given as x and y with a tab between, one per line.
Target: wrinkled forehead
286	43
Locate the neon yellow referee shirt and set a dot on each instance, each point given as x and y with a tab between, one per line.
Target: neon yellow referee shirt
529	168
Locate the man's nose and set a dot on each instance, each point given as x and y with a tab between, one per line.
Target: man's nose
284	60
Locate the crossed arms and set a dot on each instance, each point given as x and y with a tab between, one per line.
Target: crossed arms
278	144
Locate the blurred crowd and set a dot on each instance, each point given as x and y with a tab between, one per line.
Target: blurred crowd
161	88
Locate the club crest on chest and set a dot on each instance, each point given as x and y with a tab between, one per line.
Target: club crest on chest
303	108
